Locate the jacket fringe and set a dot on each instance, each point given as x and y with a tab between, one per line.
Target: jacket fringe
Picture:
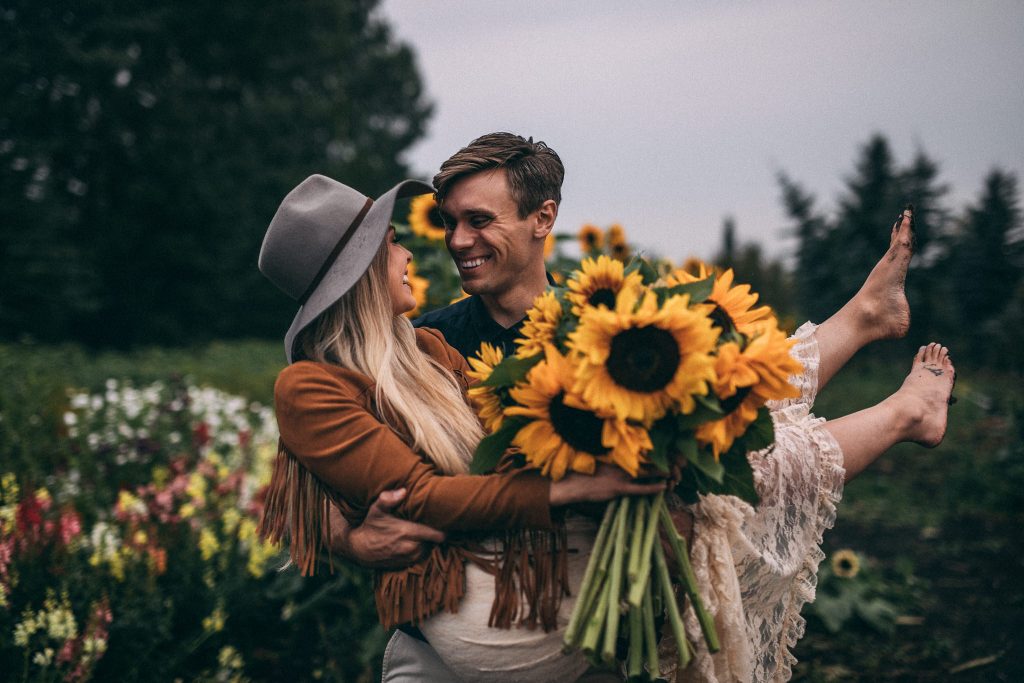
531	571
297	502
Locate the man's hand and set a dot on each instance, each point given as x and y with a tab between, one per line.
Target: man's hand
382	541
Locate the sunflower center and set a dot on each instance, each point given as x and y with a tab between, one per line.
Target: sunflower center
733	402
434	216
643	359
602	296
581	429
721	319
591	239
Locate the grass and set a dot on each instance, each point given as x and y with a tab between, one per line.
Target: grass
943	530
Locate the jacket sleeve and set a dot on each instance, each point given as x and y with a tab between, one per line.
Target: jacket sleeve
326	426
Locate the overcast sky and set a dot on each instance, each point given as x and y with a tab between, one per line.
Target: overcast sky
671	115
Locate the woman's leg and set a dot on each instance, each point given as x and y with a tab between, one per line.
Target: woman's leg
879	310
916	412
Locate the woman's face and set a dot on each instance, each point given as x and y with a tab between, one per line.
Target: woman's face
399	288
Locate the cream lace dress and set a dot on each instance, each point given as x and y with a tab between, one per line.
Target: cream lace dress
756	568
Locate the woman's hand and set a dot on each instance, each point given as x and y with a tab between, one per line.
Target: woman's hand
606	483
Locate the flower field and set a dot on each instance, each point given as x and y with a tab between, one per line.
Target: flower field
130	484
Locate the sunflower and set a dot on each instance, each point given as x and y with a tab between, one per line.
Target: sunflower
616	236
734	305
462	295
541	322
845	564
598	282
419	285
486	399
639	360
745	379
564	434
549	245
425	219
591	239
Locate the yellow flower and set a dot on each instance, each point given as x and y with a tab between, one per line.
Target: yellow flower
734	305
845	564
208	543
487	402
639	360
425	219
462	295
215	622
563	434
419	285
541	322
549	245
616	236
598	283
746	379
591	239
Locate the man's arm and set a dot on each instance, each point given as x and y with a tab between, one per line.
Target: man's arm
382	541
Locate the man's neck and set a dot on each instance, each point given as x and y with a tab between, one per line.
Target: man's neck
508	308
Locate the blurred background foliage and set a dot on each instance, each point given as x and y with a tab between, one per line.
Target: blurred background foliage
145	146
143	150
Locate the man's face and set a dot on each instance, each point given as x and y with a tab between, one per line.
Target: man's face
491	245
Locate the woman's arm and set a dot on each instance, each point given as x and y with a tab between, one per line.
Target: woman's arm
325	424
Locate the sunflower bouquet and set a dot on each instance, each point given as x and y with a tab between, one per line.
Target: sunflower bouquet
657	375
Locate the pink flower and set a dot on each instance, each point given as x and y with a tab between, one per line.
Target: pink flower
70	526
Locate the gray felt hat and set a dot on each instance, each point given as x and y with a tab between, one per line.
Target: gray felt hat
322	239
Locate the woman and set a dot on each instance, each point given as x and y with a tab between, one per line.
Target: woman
368	404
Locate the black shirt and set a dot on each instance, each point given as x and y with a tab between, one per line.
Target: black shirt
465	324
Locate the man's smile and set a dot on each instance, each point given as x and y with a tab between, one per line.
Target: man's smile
471	263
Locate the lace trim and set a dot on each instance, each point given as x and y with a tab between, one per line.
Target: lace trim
830	492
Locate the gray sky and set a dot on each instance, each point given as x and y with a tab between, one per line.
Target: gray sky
670	115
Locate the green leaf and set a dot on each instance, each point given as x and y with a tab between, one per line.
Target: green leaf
511	370
490	449
647	272
739	476
706	411
761	432
704	460
699	291
662	436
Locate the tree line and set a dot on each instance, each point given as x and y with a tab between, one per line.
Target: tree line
144	148
965	283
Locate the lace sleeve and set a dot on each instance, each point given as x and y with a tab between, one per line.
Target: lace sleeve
757	568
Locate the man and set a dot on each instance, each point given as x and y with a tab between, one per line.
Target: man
499	199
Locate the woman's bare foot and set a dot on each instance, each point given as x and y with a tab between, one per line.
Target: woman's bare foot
923	400
881	302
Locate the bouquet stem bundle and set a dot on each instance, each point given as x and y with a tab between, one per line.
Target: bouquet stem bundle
627	585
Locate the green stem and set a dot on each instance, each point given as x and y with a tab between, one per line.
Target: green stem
587	589
678	543
636	590
614	615
650	637
594	624
643	506
635	660
671	607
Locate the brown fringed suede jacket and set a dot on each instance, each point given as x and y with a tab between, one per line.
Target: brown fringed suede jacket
333	448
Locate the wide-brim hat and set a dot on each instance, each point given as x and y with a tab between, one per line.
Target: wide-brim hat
321	241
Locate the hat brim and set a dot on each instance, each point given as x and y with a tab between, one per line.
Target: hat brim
354	260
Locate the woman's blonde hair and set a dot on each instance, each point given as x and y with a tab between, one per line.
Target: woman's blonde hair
415	396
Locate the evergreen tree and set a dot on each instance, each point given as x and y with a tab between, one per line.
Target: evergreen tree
986	258
144	148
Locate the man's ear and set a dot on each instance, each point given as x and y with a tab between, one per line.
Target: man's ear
546	215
